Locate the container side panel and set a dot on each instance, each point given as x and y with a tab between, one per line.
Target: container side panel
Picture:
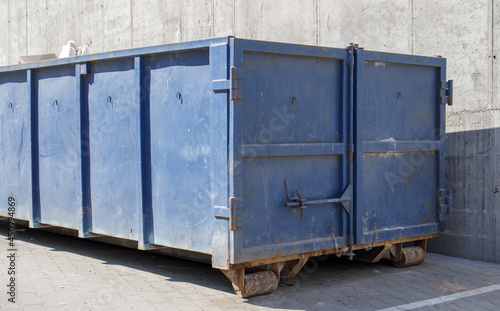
15	144
399	106
59	147
113	132
267	221
294	99
180	96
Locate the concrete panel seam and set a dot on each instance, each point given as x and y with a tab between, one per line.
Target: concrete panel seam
131	23
412	27
212	29
26	26
8	44
492	59
469	111
317	22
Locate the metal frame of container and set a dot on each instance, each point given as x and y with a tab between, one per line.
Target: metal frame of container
192	149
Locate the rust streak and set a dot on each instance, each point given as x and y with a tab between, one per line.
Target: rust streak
409	173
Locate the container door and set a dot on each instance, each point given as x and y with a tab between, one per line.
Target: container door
399	140
15	145
59	147
290	117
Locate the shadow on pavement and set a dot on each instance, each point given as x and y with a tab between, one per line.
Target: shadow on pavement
175	269
324	283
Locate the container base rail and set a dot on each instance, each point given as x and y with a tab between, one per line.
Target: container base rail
247	285
248	282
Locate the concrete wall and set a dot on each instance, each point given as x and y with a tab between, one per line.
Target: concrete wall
463	31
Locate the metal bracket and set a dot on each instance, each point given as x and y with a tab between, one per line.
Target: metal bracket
292	267
231	84
397	251
445	201
221	212
236	276
446	92
84	69
345	200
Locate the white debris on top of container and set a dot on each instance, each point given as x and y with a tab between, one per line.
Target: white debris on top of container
83	50
68	50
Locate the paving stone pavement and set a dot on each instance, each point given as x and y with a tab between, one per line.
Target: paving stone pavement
55	272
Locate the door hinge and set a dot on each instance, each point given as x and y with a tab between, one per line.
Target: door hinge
234	90
350	148
444	196
231	84
222	212
350	59
446	92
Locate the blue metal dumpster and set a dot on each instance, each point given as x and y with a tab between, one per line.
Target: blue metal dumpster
242	152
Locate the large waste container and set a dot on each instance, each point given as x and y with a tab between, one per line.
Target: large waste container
242	152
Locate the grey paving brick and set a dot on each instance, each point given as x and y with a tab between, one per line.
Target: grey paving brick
31	308
10	306
141	304
53	303
95	276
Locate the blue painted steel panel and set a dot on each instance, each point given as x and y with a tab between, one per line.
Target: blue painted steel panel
293	105
390	180
59	147
15	144
399	146
180	97
399	106
114	119
265	219
285	94
198	146
219	63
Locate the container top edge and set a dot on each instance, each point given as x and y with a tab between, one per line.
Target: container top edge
140	51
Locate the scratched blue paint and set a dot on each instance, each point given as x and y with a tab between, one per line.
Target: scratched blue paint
194	148
181	148
59	147
15	142
400	142
114	153
263	190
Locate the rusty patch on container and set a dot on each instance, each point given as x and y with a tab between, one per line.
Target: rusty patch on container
395	241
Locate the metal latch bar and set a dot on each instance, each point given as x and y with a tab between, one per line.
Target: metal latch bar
302	203
317	202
